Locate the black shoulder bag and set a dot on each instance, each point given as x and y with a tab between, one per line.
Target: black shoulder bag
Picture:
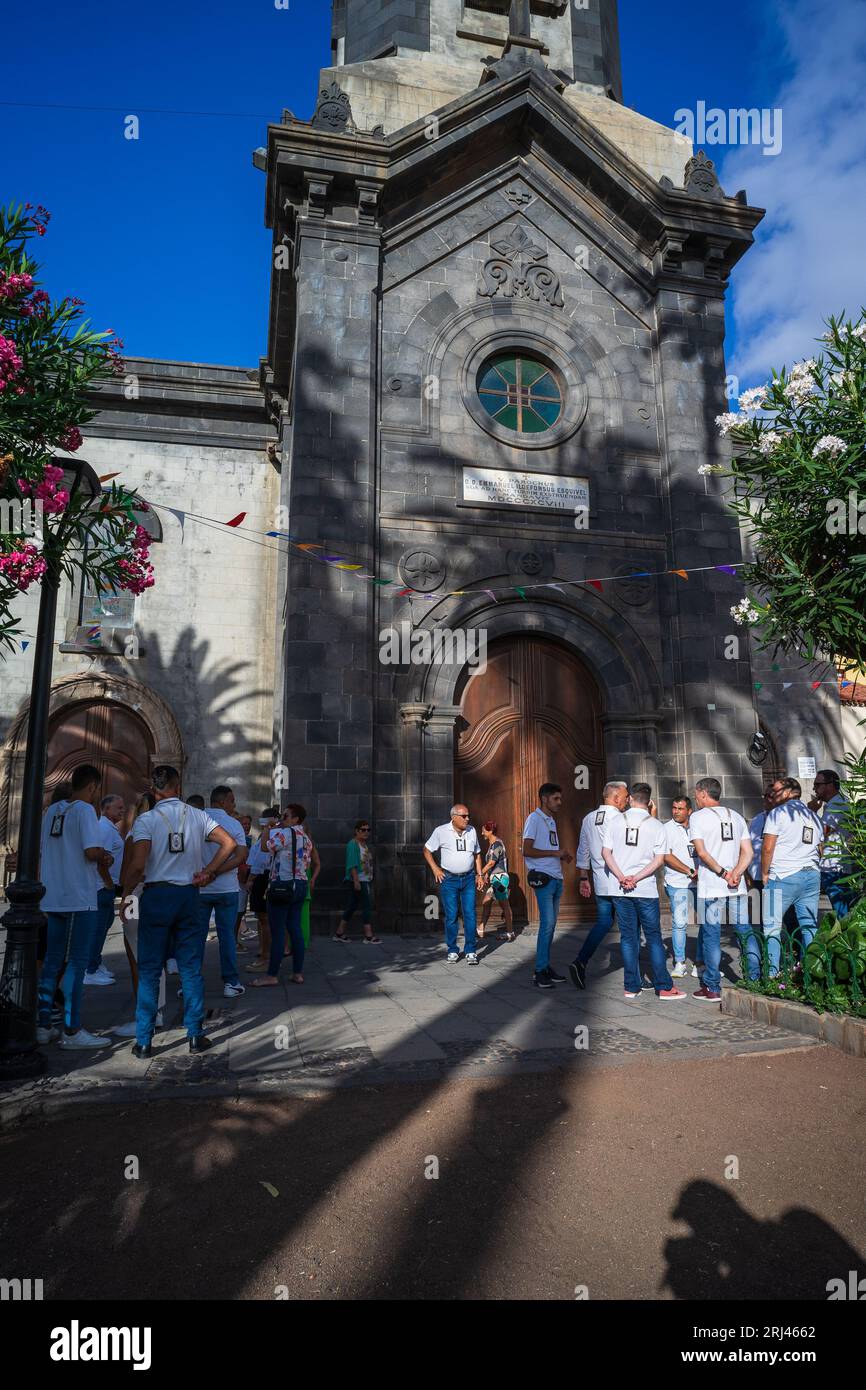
280	893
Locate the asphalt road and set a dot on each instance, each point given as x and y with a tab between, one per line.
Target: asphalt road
616	1179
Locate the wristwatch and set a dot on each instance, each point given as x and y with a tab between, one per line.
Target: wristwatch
722	873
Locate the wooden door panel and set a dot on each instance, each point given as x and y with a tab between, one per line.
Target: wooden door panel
108	735
533	716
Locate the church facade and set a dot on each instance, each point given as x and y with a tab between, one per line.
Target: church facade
494	363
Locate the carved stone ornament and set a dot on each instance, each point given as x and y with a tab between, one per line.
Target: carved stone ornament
422	571
531	563
334	110
517	270
519	195
633	586
701	177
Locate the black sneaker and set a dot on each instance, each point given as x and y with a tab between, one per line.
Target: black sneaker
139	1051
552	975
542	980
200	1043
577	971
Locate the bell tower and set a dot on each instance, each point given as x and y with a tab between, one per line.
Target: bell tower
579	42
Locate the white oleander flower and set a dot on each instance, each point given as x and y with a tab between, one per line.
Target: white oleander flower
711	468
829	444
728	421
859	331
744	615
799	389
840	380
768	441
753	400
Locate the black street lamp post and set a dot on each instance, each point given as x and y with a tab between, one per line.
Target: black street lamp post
19	1054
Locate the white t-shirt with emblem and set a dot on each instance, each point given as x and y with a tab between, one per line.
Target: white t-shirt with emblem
458	848
589	849
172	815
678	841
541	830
228	882
800	835
71	881
634	839
723	832
756	835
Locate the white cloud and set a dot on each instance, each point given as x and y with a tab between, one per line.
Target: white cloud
808	261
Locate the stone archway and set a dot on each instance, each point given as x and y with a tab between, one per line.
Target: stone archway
160	734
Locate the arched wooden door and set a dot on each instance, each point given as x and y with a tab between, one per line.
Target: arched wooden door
107	734
533	716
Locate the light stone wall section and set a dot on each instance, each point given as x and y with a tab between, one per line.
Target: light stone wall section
206	627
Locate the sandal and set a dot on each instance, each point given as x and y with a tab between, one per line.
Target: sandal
258	967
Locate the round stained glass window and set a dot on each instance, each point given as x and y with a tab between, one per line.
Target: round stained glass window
520	393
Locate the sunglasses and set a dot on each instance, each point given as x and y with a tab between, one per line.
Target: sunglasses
462	815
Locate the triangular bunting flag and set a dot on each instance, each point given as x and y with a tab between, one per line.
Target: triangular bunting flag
314	545
236	520
381	582
726	569
491	593
283	536
759	685
402	593
596	584
331	559
684	574
815	684
554	586
786	685
25	645
521	592
104	477
344	566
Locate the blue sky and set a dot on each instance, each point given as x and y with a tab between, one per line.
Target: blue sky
164	238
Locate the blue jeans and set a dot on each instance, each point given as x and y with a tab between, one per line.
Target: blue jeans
632	914
286	917
105	907
799	891
603	924
681	899
169	925
225	911
70	938
713	913
841	899
548	906
454	890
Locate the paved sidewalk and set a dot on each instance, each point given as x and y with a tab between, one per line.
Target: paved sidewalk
396	1011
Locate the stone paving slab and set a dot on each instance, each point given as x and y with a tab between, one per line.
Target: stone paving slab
390	1012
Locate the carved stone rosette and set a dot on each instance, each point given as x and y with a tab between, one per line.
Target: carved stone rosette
518	271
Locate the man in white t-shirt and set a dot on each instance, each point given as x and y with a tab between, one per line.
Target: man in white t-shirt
71	856
633	848
113	810
830	804
681	883
593	873
222	896
790	867
724	851
458	875
168	850
544	857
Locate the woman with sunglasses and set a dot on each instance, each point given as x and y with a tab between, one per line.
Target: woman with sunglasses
358	877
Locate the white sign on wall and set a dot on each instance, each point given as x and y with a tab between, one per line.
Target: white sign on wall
498	487
806	767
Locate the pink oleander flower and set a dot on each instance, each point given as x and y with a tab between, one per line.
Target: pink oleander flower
10	362
71	439
22	567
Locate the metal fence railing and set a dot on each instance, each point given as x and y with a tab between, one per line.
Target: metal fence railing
826	968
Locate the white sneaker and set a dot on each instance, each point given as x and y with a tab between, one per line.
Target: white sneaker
680	969
171	966
47	1035
232	991
158	1023
99	977
126	1030
471	958
82	1039
453	956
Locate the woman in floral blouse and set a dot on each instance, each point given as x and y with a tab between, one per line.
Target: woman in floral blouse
293	852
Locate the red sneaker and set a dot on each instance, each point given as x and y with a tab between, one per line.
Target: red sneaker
711	996
671	994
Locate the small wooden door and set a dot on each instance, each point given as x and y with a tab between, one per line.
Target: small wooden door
110	736
533	716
